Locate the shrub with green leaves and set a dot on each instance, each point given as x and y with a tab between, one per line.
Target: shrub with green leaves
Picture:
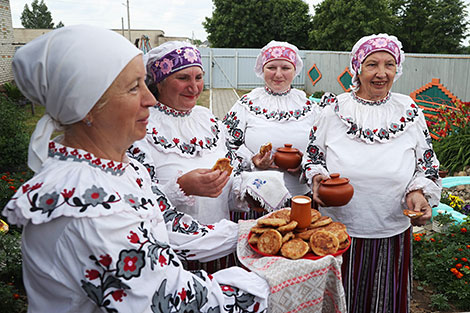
441	260
453	151
14	139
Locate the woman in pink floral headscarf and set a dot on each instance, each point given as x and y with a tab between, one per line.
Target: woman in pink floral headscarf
379	140
275	113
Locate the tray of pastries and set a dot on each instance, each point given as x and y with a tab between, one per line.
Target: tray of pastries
276	235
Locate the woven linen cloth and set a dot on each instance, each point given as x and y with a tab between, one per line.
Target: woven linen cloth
298	286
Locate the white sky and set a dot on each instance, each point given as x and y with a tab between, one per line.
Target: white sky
182	18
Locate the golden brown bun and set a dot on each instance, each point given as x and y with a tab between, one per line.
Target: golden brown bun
270	242
294	249
267	147
323	242
412	214
223	164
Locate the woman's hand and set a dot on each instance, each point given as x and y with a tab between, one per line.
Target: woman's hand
203	182
315	185
416	201
264	161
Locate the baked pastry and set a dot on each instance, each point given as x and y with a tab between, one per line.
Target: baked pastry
253	239
339	229
288	227
344	244
323	242
305	235
270	242
259	230
267	147
322	221
294	249
288	236
315	215
272	222
283	213
412	214
223	164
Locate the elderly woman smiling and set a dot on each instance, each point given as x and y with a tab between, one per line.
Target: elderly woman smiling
379	140
95	238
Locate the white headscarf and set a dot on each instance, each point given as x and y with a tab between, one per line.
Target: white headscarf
286	51
68	70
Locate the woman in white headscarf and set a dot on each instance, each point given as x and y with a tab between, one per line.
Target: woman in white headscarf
276	114
94	235
380	141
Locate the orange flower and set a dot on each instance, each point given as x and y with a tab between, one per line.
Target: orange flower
432	239
459	266
464	259
463	230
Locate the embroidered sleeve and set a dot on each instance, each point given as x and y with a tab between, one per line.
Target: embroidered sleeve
314	159
140	151
235	126
426	176
128	266
174	193
194	241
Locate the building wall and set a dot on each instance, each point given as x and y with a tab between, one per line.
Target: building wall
156	36
6	42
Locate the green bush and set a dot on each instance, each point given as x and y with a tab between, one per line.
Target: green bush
453	151
14	138
13	92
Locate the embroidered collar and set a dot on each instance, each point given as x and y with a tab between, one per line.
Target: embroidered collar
369	102
170	111
273	93
293	105
376	123
61	152
186	135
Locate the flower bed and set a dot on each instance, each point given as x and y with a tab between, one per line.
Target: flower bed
441	260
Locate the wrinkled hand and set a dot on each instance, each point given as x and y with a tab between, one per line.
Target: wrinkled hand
315	185
263	162
296	171
416	201
203	182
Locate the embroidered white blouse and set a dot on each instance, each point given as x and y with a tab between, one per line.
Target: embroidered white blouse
263	116
178	142
384	148
97	238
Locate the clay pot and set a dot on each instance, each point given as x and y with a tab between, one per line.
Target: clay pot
335	191
287	157
300	211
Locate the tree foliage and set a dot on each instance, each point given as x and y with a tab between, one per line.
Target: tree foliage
427	26
38	16
253	23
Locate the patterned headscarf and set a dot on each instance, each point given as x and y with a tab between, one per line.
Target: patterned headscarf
56	71
278	50
374	43
169	58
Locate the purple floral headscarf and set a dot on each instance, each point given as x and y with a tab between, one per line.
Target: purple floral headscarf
169	58
374	43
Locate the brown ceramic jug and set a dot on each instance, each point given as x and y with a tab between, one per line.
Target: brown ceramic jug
287	157
335	191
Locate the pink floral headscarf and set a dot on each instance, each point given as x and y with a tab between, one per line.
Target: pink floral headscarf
278	50
370	44
170	57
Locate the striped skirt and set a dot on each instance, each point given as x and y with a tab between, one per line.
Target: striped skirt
377	274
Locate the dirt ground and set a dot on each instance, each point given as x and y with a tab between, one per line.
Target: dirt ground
421	301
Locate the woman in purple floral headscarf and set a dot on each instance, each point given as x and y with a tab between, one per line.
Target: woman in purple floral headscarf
379	140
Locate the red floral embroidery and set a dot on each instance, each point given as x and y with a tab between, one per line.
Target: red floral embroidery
227	288
92	274
68	194
176	140
118	294
162	260
129	264
105	260
182	294
133	237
